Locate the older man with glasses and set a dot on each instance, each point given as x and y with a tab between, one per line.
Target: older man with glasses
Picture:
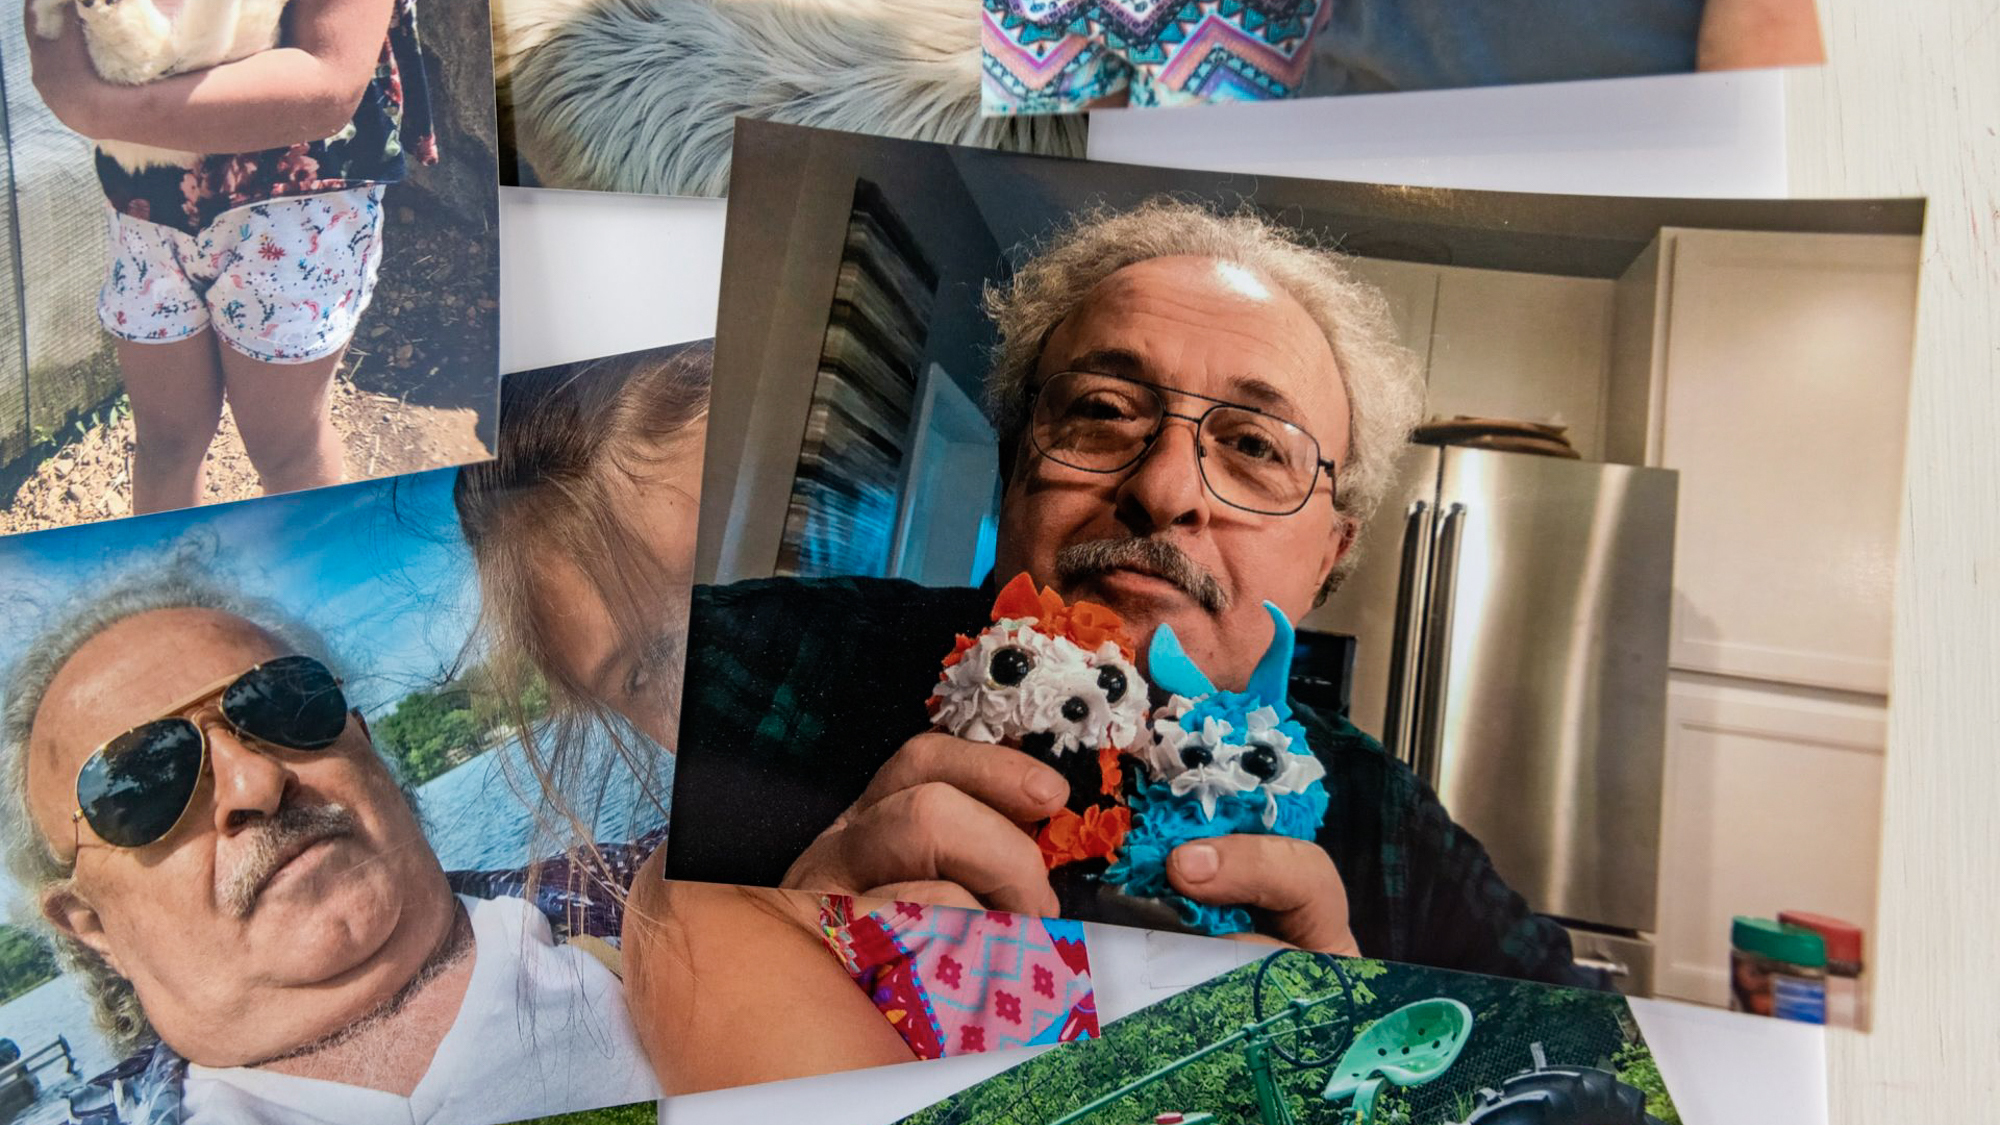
246	892
1196	413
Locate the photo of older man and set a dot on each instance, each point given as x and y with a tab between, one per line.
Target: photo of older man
235	874
880	464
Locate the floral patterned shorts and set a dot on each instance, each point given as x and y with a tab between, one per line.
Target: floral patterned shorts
284	281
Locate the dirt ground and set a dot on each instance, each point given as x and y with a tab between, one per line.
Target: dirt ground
90	479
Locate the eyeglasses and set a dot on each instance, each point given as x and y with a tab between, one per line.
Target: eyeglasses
134	789
1105	423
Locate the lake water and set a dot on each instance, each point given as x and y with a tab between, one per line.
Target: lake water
475	821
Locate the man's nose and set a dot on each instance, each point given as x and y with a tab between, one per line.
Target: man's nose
249	785
1164	489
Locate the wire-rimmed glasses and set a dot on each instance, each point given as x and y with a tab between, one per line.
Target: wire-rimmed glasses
1250	460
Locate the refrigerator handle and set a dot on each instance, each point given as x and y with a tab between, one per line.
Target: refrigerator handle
1404	645
1436	658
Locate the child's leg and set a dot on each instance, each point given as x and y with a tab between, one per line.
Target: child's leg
297	275
152	305
283	412
176	393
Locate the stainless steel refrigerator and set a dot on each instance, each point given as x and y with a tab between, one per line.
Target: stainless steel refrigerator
1510	613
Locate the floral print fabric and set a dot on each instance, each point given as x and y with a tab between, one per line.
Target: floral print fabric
392	123
955	981
1059	56
282	282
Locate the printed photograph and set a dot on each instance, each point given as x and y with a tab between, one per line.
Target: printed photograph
417	722
1303	1037
1444	577
1062	56
252	250
641	95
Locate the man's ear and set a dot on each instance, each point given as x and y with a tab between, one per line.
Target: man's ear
1338	543
73	916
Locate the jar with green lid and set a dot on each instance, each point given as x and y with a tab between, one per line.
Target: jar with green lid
1777	970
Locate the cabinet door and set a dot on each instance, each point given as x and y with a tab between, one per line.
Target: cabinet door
1411	290
1533	347
1772	802
1786	393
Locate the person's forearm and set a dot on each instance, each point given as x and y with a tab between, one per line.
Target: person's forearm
1736	34
273	99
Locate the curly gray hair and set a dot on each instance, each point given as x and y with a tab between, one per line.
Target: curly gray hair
1382	379
181	584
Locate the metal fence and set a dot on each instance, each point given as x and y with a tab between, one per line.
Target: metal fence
57	363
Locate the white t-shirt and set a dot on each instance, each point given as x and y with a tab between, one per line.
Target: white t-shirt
542	1030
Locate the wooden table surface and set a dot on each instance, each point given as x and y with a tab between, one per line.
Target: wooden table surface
1910	104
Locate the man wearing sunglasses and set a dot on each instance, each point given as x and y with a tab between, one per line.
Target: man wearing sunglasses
242	883
1196	412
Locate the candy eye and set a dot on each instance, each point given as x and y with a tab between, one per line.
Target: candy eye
1010	666
1261	762
1196	756
1112	680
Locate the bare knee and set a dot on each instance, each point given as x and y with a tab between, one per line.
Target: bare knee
177	440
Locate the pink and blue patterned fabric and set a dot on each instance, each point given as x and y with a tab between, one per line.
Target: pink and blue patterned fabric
1060	56
954	981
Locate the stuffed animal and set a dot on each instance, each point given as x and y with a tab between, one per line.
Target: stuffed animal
132	43
1220	763
1058	682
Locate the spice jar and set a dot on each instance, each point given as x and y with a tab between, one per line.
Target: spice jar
1777	970
1846	992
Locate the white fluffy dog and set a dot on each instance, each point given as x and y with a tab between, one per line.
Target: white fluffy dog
642	95
132	43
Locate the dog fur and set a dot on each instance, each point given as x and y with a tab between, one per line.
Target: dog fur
132	43
642	95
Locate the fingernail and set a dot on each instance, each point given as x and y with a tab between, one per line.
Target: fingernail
1045	787
1197	863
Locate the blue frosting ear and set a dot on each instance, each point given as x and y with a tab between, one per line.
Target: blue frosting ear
1274	672
1168	667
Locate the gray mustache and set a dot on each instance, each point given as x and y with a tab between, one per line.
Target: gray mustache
270	844
1087	560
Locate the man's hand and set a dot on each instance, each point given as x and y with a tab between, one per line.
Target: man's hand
1293	882
942	822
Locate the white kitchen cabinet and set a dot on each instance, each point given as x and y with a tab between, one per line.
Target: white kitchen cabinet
1779	385
1532	347
1411	290
1773	802
1499	344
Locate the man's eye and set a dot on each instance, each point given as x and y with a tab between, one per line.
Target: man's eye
1100	408
1257	447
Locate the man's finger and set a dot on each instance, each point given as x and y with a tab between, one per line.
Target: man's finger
1294	881
936	832
1021	788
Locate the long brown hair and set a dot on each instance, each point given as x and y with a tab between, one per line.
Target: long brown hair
573	441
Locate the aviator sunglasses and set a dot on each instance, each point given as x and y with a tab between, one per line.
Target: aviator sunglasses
134	789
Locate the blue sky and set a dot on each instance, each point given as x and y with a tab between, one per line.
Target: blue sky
377	566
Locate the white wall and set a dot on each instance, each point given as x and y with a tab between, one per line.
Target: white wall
585	275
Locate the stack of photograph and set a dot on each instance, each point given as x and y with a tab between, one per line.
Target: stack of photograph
1088	610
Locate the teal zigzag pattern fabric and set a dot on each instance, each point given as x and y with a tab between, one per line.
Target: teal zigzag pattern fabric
1060	56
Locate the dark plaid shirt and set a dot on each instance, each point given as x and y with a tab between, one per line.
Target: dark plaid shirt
798	690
